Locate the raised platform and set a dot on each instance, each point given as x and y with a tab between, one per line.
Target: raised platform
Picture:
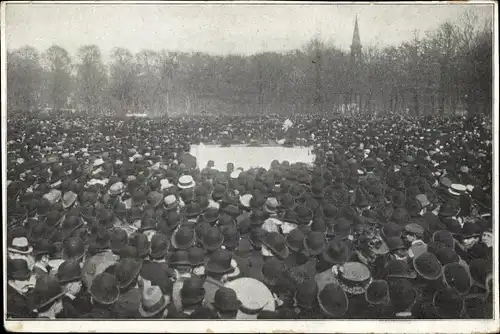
249	156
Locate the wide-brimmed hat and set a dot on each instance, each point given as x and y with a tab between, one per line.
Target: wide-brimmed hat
315	243
448	303
153	302
183	238
226	300
445	237
276	243
402	294
47	289
126	270
185	182
69	271
428	266
337	252
159	246
119	239
191	210
457	277
271	205
304	214
272	271
295	239
290	217
18	269
155	198
377	292
231	235
231	210
354	277
306	294
105	289
446	255
210	215
179	258
192	291
73	249
399	269
196	256
116	189
170	202
141	243
212	238
69	198
20	245
219	262
470	230
391	230
333	300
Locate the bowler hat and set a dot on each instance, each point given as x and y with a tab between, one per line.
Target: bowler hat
276	243
47	290
226	300
219	262
104	289
126	270
428	266
333	300
192	291
69	271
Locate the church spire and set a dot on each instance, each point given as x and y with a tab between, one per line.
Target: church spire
356	42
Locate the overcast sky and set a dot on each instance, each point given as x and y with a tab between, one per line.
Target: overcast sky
219	28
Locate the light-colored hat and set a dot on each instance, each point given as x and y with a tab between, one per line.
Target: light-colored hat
153	302
116	188
245	200
254	295
457	189
235	174
464	169
171	202
186	181
271	205
53	196
165	184
20	246
98	162
68	199
422	198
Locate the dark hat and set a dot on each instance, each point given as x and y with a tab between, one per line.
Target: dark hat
295	240
477	308
479	270
276	244
318	224
159	246
315	243
47	290
290	217
73	249
272	271
391	230
402	294
257	236
192	291
333	300
196	256
377	292
448	303
304	214
337	252
141	243
226	300
470	230
212	238
225	220
219	191
446	255
258	217
232	210
398	199
191	210
428	266
183	238
119	239
169	223
18	269
128	252
69	271
70	224
395	243
231	235
445	237
104	289
341	228
179	258
287	202
457	277
126	270
306	294
43	247
53	219
219	262
100	239
148	222
155	198
211	215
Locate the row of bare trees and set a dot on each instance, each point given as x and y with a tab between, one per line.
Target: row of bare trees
447	69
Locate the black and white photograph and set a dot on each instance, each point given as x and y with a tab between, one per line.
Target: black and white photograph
221	166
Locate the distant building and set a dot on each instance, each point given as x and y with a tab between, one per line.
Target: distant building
353	94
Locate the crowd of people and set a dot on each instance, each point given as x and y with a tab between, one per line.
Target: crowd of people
113	219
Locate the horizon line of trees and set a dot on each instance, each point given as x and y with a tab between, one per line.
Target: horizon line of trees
447	69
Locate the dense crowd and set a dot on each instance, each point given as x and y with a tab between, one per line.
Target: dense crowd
112	218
